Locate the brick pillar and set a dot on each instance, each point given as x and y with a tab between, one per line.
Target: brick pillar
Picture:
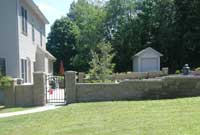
39	89
10	94
70	86
81	76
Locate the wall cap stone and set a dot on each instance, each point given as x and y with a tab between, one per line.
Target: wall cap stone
39	72
182	77
70	72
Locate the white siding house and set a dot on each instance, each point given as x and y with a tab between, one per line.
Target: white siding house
22	40
147	60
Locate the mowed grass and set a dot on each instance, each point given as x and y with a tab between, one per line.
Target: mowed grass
3	109
161	117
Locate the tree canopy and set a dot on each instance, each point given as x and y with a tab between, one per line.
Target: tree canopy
62	42
169	26
89	17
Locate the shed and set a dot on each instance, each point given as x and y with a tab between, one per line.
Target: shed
147	60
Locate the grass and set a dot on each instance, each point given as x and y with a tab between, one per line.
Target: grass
3	109
161	117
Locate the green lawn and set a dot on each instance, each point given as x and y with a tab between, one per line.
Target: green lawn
164	117
3	109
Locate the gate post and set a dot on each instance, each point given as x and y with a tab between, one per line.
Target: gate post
70	86
39	90
81	76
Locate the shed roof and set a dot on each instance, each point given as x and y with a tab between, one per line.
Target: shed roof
147	50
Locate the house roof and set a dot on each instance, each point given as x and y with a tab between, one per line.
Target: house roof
47	54
37	10
146	50
50	56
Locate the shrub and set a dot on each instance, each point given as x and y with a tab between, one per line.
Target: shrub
5	81
101	65
197	69
177	72
62	78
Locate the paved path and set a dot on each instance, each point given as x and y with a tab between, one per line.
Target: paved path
35	110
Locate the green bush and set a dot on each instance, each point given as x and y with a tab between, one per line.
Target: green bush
61	78
177	72
197	69
101	65
5	81
98	81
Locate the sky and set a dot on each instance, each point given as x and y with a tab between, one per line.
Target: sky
53	9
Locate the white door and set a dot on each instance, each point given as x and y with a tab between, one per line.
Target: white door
149	64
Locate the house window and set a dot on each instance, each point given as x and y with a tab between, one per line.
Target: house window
24	74
2	66
24	20
33	33
41	38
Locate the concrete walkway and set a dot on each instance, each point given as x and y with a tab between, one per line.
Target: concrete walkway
30	111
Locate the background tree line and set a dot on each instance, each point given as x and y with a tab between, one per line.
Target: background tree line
170	26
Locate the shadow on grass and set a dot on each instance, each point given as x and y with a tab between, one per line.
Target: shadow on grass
140	100
4	109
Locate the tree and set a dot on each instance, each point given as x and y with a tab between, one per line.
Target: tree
134	25
187	31
62	42
169	26
157	19
101	65
88	15
123	31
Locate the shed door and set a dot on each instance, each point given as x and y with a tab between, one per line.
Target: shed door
149	64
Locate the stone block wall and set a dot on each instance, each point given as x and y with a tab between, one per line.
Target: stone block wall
2	96
24	95
137	75
10	94
164	88
126	76
27	95
181	86
126	90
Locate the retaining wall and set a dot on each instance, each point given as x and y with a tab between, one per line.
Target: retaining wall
167	87
128	75
137	75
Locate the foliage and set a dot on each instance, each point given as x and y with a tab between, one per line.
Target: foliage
187	32
61	78
98	81
123	31
5	81
62	42
197	69
169	26
177	72
101	63
88	16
